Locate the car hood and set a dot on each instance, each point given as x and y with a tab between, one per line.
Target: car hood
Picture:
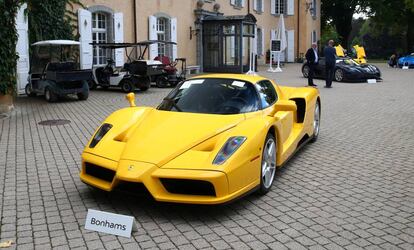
163	135
363	68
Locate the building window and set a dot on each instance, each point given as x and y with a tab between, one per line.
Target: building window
163	34
280	7
314	36
313	8
99	35
259	6
237	3
259	41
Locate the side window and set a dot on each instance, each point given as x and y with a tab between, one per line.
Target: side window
267	93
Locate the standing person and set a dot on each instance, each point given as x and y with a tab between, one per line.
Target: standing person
330	61
312	60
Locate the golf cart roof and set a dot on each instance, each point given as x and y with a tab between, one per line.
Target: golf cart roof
56	42
126	45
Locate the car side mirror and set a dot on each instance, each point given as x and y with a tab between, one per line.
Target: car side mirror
283	105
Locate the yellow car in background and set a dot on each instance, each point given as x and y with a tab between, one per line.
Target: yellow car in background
212	139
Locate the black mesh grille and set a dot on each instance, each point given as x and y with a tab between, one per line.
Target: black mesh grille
189	187
135	188
99	172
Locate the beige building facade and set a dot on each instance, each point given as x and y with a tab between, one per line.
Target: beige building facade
182	21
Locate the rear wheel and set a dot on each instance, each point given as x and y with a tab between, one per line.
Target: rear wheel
145	83
92	84
339	75
127	86
29	91
316	121
268	165
50	96
305	71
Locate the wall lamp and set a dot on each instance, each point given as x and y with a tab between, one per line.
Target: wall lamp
193	32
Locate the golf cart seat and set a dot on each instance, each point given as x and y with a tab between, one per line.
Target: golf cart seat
61	66
169	66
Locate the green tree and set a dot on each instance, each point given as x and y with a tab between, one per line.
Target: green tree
339	14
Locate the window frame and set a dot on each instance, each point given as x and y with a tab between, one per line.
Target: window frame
99	55
280	7
260	98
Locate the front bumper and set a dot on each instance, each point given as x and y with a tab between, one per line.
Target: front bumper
167	185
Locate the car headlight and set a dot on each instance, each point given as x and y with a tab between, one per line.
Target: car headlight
231	145
100	134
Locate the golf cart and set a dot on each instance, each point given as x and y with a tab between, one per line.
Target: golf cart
171	76
136	73
54	71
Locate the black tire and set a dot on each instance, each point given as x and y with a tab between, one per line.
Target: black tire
339	75
50	96
83	96
161	82
92	84
266	183
28	90
127	86
316	121
305	71
145	83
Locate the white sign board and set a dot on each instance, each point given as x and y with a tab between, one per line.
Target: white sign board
405	67
110	223
372	80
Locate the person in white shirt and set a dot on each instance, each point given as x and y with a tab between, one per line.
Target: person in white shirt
312	59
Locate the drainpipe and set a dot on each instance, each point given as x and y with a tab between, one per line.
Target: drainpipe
248	6
297	42
134	2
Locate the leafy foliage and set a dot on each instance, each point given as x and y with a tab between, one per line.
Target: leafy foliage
8	40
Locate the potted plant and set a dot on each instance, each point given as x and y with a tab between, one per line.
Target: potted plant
8	40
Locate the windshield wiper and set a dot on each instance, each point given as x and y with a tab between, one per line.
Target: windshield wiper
172	102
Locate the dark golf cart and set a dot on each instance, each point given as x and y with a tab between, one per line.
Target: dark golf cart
138	72
54	71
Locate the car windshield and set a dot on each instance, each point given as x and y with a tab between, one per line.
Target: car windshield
212	96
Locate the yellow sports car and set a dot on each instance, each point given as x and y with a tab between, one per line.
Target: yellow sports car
211	140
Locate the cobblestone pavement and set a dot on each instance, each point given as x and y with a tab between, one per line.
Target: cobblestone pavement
353	188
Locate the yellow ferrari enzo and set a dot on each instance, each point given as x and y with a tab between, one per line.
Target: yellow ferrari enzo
212	139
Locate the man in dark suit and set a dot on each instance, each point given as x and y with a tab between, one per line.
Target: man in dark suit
312	59
330	61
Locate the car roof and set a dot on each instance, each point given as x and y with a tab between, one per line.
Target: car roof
56	42
243	77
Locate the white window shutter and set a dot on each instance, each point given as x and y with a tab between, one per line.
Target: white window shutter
255	40
22	49
273	7
290	7
119	38
85	32
174	37
242	3
233	2
255	5
263	3
263	41
152	35
291	45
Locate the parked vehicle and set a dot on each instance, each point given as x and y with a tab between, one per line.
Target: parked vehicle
213	139
171	74
346	69
137	72
407	61
54	71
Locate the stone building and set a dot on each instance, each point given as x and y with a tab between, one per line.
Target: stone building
182	21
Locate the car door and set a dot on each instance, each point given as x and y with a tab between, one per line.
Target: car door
320	69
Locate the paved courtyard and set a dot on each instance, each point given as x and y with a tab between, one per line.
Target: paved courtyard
352	189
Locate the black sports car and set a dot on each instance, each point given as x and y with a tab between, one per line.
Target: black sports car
346	69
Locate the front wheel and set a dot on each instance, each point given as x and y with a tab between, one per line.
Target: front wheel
127	86
29	91
83	96
50	96
161	82
268	165
316	121
305	71
339	75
